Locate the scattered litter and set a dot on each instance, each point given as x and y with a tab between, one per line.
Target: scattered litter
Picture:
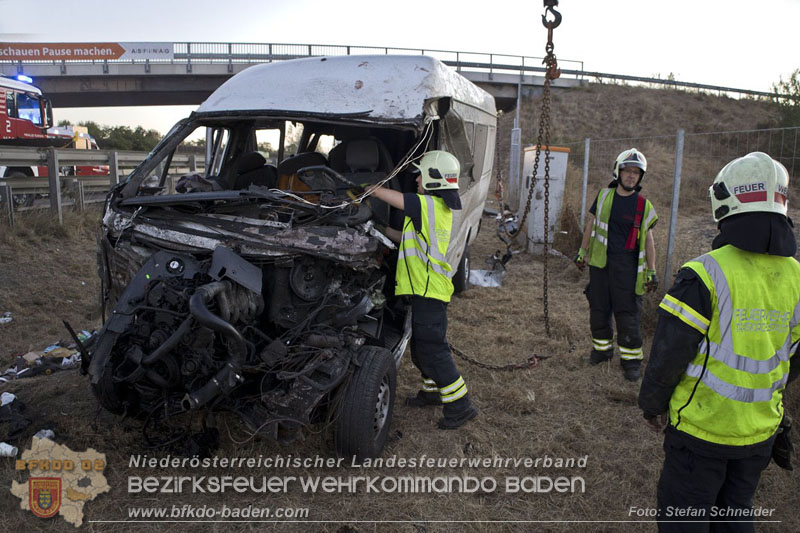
6	318
59	356
7	450
45	434
6	398
487	278
32	356
61	352
71	361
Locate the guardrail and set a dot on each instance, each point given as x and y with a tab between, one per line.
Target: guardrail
194	53
62	187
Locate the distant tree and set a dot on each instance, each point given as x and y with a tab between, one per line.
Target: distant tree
120	137
787	96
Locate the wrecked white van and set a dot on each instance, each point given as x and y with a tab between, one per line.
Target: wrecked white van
265	285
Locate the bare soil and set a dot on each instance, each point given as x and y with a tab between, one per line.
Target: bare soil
560	409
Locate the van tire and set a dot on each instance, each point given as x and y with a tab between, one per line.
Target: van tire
362	422
461	278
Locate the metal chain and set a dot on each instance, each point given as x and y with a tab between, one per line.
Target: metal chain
531	362
551	72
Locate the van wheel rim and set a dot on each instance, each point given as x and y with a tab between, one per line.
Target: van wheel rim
381	406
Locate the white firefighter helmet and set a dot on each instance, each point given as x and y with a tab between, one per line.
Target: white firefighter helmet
753	183
440	170
630	157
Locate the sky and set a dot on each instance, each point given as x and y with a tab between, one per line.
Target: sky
730	43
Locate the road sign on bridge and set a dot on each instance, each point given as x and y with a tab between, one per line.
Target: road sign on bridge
84	51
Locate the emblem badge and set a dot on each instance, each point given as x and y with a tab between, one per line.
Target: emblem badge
44	496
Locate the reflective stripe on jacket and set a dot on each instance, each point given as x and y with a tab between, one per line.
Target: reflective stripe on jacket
598	245
731	393
422	268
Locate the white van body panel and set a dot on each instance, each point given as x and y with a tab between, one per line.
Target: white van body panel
390	88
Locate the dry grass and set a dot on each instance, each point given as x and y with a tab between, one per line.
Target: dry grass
562	408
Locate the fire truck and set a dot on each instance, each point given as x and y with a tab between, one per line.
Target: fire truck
26	119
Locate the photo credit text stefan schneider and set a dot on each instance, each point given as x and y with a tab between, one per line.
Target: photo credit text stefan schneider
393	474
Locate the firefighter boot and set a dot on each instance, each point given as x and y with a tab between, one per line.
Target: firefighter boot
458	414
631	369
424	399
597	357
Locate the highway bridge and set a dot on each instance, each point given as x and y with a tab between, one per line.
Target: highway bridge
189	72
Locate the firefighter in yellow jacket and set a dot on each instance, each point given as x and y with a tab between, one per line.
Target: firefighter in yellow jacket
424	274
723	351
619	247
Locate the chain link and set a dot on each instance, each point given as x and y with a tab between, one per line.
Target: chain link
531	362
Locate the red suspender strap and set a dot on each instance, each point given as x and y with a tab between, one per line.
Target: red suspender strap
630	244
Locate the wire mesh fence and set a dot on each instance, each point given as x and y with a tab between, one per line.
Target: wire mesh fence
694	167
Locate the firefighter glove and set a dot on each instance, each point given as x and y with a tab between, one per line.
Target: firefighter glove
782	447
650	279
580	258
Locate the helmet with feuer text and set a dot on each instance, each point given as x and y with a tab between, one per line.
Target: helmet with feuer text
749	184
439	170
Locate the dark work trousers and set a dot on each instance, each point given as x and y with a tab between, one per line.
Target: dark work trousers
704	486
613	290
430	352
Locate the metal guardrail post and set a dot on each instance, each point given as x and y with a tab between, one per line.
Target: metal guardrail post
113	168
585	180
7	197
81	200
676	191
55	184
192	163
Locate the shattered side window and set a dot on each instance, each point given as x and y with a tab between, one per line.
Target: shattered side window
480	148
455	141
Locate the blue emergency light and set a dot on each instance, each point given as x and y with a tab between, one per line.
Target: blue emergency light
23	77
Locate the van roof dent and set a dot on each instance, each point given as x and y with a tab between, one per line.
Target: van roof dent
380	87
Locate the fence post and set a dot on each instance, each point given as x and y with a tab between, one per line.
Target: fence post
676	191
55	184
192	163
514	179
7	197
113	169
585	180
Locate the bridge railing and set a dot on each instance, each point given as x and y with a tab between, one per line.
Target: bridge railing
63	186
196	53
245	53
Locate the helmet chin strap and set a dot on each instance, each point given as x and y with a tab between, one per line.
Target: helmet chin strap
629	189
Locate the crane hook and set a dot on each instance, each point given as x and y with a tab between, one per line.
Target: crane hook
550	7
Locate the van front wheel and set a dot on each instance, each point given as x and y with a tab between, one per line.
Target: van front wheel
461	278
362	422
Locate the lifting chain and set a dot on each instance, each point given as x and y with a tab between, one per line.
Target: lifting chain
531	362
552	72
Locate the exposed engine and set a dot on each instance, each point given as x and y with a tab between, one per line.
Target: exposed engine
270	342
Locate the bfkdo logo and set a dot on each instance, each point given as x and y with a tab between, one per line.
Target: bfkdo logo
44	495
61	481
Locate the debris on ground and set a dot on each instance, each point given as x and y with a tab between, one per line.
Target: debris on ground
59	356
45	434
6	318
7	450
487	278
